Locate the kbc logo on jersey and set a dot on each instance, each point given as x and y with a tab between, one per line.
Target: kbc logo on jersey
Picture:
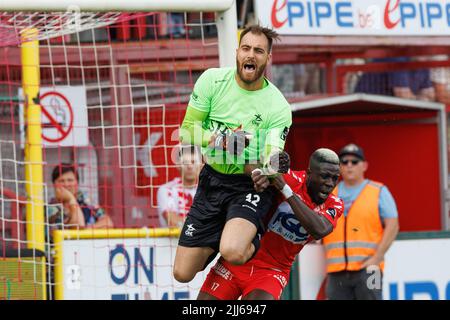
287	225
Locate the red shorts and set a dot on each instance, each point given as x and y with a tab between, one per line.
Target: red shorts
229	282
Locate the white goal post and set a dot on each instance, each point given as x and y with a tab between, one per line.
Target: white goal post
226	17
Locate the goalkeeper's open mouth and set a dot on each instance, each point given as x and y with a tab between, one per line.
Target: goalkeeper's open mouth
249	67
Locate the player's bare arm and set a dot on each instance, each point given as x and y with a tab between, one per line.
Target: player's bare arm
316	225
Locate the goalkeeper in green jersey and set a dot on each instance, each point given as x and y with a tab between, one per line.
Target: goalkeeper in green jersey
241	121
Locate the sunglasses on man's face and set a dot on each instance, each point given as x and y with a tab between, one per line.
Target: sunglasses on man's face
347	161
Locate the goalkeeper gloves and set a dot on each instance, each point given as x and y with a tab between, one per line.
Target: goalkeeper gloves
234	142
279	162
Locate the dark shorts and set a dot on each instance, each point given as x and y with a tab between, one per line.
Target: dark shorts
219	198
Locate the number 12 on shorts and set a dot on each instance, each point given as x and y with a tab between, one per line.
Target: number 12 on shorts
253	199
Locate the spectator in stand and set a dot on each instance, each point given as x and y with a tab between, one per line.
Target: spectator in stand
297	80
176	24
75	210
351	78
175	197
408	84
440	77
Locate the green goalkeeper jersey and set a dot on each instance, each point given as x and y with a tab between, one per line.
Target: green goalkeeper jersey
219	104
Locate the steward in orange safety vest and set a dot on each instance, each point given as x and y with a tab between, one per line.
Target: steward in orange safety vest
357	235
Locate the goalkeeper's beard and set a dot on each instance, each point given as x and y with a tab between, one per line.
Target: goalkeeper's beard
258	73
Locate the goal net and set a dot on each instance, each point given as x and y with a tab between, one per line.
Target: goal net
101	96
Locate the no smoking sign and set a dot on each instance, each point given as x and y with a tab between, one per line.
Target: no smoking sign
58	113
63	116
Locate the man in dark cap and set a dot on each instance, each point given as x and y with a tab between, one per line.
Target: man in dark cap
355	250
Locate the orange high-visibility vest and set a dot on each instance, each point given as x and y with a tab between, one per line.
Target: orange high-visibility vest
357	235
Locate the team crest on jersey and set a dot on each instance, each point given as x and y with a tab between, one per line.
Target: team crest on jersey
287	225
257	120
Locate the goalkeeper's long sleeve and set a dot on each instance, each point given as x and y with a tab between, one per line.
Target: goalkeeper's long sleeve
266	166
191	131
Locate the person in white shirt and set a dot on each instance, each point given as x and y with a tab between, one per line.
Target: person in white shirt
174	198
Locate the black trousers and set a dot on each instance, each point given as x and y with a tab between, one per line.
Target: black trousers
354	285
